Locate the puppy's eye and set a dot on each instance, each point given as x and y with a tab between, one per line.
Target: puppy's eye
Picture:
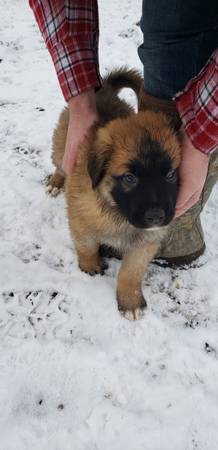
129	179
171	176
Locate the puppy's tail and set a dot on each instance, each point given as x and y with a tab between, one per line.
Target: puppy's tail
124	78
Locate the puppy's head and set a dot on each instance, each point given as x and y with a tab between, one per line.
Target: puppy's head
133	165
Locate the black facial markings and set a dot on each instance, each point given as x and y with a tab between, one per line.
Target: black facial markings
151	201
153	156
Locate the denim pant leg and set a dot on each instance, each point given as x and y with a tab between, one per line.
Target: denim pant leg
178	38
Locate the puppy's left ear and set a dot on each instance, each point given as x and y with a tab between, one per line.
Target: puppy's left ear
98	164
98	160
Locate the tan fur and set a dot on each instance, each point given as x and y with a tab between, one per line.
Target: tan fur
93	216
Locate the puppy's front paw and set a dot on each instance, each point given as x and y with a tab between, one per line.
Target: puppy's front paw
131	307
133	314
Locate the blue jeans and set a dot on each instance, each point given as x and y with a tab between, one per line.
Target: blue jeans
179	37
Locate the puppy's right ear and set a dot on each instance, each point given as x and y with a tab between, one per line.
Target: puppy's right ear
98	160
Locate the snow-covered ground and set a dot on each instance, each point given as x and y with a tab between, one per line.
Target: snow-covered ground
74	374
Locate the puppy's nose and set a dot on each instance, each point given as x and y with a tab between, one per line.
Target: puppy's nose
154	216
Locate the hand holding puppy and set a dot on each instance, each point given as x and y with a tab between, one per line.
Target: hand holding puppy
82	115
192	175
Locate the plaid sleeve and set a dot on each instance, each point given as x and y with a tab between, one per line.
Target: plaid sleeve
70	30
198	107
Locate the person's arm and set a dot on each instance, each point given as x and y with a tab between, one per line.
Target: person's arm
70	31
198	109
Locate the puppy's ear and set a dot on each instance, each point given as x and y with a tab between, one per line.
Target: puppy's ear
97	165
99	158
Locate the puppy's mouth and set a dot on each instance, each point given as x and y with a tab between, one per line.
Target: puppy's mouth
144	226
155	227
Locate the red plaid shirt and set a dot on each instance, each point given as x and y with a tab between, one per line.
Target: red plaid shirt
198	107
70	31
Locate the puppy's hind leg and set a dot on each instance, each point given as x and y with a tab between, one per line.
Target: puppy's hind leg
55	183
131	302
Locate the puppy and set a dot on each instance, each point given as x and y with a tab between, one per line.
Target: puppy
123	190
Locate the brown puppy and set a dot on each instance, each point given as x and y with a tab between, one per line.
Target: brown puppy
122	192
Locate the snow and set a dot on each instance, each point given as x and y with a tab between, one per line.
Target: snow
74	374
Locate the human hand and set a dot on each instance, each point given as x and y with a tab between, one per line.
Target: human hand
192	175
82	115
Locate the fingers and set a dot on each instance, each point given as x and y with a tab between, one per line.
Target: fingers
182	207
